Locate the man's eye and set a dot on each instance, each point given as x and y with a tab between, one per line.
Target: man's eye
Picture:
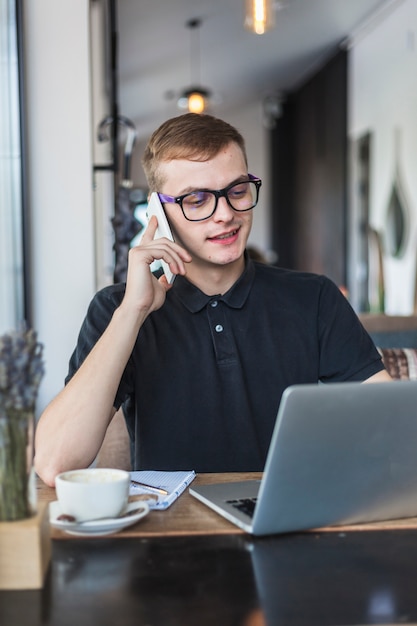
196	200
238	191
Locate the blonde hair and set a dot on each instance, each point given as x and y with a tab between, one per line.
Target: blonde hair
191	136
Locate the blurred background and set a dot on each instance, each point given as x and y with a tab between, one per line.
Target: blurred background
325	98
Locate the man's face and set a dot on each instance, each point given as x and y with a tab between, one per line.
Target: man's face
221	239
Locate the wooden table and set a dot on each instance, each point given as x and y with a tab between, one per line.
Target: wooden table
187	516
187	566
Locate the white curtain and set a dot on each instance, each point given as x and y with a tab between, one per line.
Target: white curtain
11	253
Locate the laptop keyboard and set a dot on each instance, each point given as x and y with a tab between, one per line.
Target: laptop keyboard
246	505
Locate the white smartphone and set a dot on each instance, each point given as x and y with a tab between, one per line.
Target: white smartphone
155	208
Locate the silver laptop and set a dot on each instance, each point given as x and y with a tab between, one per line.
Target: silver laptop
340	453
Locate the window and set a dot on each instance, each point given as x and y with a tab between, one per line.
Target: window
12	290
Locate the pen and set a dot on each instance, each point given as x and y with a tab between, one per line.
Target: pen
164	492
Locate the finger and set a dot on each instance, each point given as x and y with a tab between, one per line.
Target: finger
172	257
159	250
148	238
163	281
150	230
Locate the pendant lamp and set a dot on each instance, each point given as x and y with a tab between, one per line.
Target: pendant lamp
194	98
259	15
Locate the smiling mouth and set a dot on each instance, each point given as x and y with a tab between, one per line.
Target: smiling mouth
226	235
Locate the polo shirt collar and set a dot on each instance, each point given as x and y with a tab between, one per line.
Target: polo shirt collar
195	300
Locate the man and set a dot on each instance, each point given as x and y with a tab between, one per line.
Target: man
201	364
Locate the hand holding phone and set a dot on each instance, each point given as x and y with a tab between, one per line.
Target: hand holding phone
155	208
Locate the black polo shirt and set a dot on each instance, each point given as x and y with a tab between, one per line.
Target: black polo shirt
205	378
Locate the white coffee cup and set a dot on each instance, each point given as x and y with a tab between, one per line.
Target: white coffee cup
93	493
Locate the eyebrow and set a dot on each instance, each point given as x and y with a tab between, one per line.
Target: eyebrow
192	189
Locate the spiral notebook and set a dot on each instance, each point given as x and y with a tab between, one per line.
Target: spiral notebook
162	488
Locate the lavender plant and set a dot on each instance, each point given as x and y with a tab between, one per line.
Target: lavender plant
21	371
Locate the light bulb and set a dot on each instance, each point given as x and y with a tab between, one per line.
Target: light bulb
196	103
259	16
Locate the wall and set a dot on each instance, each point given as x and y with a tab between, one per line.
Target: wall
383	97
60	177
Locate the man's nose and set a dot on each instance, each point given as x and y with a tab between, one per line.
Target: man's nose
224	211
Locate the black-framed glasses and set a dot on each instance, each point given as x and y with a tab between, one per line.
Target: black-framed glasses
201	204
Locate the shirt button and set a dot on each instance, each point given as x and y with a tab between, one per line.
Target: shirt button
214	303
218	328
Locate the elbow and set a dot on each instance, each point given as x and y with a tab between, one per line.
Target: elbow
50	457
49	463
45	461
46	471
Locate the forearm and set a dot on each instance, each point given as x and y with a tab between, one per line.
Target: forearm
71	429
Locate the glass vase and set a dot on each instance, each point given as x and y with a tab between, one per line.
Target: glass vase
16	464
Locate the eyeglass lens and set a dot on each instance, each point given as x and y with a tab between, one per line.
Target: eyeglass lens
199	205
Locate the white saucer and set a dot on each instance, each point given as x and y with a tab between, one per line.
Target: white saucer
97	528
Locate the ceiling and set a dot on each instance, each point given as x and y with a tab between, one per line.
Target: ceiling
239	67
